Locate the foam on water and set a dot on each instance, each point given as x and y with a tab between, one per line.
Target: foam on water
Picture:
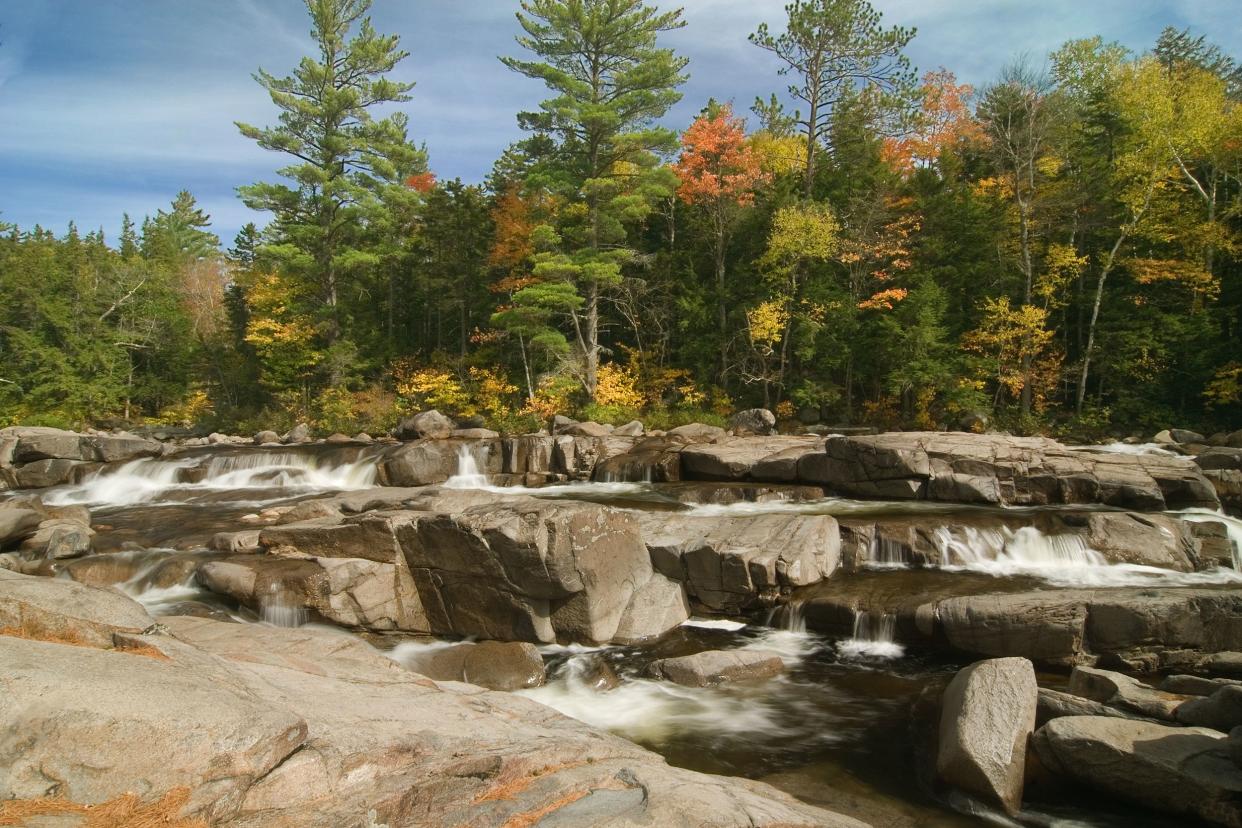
786	634
652	711
469	476
1127	448
874	637
1060	560
714	624
149	479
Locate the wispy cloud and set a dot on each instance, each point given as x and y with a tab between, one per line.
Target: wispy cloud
107	107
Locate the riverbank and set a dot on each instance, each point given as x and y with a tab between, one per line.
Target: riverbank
781	608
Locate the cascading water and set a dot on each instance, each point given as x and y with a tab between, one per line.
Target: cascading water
152	479
136	481
1064	559
279	609
789	617
886	553
1233	529
873	637
1023	550
468	475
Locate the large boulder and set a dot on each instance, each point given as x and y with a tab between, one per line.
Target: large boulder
431	425
38	443
496	665
737	458
527	569
718	666
56	539
587	429
1222	710
1054	704
657	607
114	448
17	523
989	468
1145	629
300	433
757	421
1125	692
352	592
732	563
41	474
1181	770
988	715
53	609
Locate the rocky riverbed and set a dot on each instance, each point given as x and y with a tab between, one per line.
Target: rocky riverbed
609	627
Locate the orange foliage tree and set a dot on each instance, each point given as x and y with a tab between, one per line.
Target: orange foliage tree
719	171
944	120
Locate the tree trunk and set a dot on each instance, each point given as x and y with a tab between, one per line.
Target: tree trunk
592	339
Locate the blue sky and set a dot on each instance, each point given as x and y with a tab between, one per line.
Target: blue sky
109	106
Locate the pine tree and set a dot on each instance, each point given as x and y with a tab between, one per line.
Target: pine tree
834	49
611	82
346	157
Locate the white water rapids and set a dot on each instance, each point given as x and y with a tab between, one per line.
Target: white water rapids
152	479
1059	559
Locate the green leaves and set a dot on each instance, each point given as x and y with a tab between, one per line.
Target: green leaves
351	165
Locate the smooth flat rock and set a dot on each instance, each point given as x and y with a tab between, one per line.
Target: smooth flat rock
1222	710
90	724
718	666
1180	770
1119	690
496	665
64	610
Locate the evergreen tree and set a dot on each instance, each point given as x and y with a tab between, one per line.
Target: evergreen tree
611	82
834	49
346	157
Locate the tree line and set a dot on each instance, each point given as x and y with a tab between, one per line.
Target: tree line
1056	251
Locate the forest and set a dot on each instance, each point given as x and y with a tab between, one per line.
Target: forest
875	243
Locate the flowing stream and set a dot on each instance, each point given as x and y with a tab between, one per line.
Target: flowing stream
842	727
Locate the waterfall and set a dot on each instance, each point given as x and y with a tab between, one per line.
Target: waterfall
149	479
1005	551
1233	529
788	617
279	609
886	553
873	637
468	475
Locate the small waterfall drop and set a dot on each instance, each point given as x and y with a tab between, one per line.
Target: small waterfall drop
279	609
1233	529
887	553
468	475
874	637
788	617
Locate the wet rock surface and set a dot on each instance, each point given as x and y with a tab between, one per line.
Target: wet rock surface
888	561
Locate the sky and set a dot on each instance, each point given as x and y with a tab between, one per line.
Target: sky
112	106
